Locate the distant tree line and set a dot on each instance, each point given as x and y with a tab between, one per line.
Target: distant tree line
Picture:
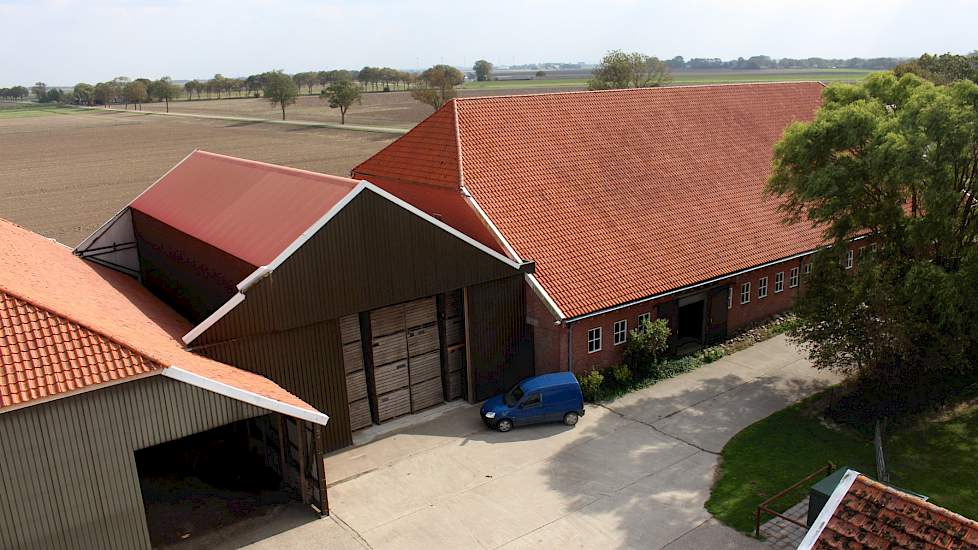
942	69
765	62
14	93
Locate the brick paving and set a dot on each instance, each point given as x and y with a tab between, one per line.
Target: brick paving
784	535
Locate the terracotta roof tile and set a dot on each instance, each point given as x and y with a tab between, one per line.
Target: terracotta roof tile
622	194
109	327
878	517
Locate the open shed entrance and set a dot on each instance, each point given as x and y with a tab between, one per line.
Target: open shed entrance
690	325
199	489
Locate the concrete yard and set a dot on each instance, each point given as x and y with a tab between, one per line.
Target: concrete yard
633	473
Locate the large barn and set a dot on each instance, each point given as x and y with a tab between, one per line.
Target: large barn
350	298
103	413
633	204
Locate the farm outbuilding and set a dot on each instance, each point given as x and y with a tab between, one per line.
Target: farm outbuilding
633	204
355	301
105	417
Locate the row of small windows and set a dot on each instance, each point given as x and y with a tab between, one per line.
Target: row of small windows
619	333
762	285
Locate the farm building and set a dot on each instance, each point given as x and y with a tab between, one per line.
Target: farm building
350	298
633	204
105	416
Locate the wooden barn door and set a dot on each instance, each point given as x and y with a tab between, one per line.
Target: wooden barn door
716	314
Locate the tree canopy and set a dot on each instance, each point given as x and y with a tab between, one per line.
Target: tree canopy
483	70
280	89
892	162
341	95
942	69
438	85
163	90
629	70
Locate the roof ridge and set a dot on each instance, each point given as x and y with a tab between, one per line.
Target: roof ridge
413	129
68	318
458	143
635	90
276	167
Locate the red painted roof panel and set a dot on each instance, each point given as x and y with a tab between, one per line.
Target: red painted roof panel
249	209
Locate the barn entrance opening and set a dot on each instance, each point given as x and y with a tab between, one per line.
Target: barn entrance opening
689	330
198	487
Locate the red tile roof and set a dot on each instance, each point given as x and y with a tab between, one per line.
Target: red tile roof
873	516
66	324
617	195
249	209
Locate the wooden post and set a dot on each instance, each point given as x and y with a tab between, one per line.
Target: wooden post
303	486
281	445
321	464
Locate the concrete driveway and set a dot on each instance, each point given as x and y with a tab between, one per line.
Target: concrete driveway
633	473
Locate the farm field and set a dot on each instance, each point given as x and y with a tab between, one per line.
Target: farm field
578	79
65	171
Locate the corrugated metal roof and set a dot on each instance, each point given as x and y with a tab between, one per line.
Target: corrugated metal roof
249	209
622	194
67	324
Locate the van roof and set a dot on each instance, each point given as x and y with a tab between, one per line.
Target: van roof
548	380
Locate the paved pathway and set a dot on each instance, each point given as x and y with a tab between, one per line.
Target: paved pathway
633	473
784	535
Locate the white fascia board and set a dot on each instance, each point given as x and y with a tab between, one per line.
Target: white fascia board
512	262
530	278
213	318
82	246
245	396
811	537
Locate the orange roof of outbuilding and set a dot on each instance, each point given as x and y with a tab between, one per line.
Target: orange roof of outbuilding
616	195
249	209
68	325
873	516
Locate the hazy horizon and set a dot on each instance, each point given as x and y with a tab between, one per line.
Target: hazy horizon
62	42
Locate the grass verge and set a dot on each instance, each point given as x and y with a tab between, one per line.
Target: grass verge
932	455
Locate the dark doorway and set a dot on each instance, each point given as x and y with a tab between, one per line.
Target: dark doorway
689	333
198	485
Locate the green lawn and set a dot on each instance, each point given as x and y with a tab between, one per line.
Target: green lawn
937	457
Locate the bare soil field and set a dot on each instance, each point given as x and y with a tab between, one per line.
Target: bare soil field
64	173
390	109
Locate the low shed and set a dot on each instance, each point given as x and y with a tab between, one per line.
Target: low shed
104	415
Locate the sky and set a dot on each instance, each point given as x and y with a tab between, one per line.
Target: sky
62	42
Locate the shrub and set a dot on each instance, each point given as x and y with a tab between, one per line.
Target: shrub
591	384
621	374
668	369
645	346
710	355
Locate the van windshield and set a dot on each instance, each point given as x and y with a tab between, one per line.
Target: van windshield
513	396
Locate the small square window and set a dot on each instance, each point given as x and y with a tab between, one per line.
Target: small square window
808	268
862	252
778	282
849	261
643	318
745	293
594	340
621	332
873	248
793	277
762	288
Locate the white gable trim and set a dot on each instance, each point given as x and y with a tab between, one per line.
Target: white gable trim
811	537
245	396
265	270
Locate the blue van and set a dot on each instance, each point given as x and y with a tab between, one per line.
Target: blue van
546	398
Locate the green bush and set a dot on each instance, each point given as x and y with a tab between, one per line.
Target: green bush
620	374
668	369
591	384
645	347
710	355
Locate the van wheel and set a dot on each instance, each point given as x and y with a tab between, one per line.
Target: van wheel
571	418
505	425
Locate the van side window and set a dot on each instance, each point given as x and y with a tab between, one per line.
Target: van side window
531	401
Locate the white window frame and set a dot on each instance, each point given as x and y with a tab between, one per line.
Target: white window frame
623	332
730	297
808	268
745	293
762	288
862	253
644	317
778	282
849	259
594	340
793	277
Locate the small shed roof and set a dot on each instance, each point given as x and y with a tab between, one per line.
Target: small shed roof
67	325
249	209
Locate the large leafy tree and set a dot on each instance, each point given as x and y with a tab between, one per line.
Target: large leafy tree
893	162
437	85
280	89
483	70
942	69
629	70
341	95
164	89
